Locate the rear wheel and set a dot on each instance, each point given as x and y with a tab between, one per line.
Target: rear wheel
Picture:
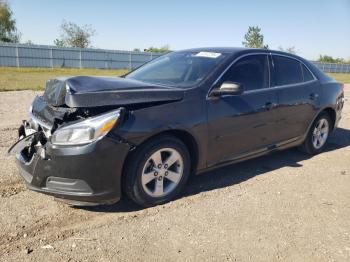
157	171
318	135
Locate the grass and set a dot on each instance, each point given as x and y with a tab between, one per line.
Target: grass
12	78
341	78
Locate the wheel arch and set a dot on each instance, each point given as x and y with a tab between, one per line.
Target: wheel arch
184	136
190	143
332	114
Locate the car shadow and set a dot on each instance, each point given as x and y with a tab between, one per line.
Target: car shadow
237	173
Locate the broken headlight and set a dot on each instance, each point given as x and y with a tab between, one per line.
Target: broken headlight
86	131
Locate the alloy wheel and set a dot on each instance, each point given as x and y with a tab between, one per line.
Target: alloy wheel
320	133
162	172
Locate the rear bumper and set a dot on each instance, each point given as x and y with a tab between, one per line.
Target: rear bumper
339	108
79	175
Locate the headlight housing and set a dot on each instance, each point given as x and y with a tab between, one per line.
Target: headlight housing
86	131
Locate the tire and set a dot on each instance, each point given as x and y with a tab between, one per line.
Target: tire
146	178
310	145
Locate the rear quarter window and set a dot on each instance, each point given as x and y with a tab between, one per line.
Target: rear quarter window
306	74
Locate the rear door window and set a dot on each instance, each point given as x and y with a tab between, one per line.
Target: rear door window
251	71
287	71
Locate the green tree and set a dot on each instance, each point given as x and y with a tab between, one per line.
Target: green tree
59	42
163	49
290	50
254	38
136	50
330	59
29	42
8	30
73	35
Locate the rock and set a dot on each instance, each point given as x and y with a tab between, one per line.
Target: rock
47	247
25	235
74	245
28	250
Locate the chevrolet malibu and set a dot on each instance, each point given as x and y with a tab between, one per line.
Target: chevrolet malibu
89	140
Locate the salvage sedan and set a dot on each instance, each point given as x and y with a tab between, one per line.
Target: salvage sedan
89	140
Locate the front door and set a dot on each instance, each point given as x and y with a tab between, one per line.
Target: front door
244	123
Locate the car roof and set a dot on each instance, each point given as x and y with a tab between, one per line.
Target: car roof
231	50
238	50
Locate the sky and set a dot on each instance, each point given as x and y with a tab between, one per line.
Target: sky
313	27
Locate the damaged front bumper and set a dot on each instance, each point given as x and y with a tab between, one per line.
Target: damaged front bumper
80	175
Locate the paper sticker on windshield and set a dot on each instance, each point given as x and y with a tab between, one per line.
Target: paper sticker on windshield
208	54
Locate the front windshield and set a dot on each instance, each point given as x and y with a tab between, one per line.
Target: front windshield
180	69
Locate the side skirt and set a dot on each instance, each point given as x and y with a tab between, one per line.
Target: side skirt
257	153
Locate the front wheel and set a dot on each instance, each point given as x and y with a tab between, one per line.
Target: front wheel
318	135
157	171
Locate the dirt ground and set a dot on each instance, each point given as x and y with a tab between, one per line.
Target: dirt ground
286	206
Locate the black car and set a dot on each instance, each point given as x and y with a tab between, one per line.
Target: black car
88	139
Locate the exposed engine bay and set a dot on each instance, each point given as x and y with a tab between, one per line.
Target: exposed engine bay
69	100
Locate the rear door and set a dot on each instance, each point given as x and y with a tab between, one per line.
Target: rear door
297	93
244	123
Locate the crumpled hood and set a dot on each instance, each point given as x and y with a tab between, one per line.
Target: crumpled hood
88	91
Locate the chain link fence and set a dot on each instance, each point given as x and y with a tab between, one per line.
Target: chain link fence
332	67
17	55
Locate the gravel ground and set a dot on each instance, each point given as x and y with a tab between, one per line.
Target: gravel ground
285	206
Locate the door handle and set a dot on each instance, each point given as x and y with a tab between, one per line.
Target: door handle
313	96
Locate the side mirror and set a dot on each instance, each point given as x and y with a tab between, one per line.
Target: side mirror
228	88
